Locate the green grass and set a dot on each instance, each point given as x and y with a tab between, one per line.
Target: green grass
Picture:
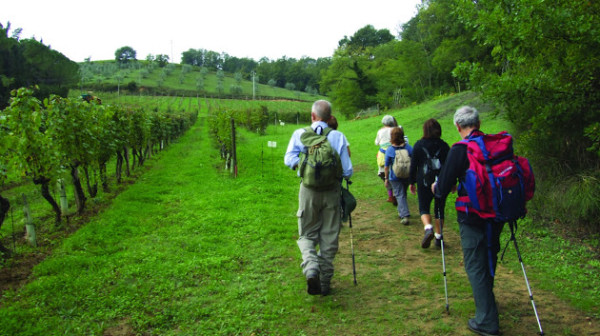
190	250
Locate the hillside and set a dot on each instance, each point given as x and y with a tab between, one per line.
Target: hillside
189	250
147	78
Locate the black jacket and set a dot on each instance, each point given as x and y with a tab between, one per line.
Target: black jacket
419	158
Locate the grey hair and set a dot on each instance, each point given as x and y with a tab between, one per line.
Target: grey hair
322	108
389	121
466	116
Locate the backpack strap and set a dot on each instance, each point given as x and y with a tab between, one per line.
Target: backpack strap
427	153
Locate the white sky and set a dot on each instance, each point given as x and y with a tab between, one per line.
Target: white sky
253	29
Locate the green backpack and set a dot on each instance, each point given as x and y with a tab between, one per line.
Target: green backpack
321	167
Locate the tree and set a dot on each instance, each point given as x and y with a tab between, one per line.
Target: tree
27	62
542	78
125	55
193	57
162	60
200	83
220	79
365	37
238	78
212	60
350	79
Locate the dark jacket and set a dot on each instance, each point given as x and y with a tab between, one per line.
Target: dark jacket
453	171
419	158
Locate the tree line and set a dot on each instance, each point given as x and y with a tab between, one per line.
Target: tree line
28	62
533	60
296	74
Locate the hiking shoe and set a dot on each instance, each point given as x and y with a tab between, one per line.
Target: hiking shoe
394	201
474	327
427	238
325	289
404	220
313	284
438	244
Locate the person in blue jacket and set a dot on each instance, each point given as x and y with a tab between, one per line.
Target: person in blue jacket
399	185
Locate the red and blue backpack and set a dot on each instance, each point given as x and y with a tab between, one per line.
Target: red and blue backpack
498	183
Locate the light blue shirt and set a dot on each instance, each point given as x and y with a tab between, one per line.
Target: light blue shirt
337	140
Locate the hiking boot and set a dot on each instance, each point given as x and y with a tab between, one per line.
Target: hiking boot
404	220
325	289
314	284
394	201
438	243
427	238
474	327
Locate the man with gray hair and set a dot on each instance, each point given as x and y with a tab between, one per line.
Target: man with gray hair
473	228
319	220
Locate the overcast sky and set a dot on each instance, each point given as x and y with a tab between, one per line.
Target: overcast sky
241	28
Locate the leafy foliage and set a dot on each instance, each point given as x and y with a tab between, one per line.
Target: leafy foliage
47	138
27	62
125	55
543	77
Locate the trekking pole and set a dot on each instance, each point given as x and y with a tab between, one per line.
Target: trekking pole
512	224
439	211
351	238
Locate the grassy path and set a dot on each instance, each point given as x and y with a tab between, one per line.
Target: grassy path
188	250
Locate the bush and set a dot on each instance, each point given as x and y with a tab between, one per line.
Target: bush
571	200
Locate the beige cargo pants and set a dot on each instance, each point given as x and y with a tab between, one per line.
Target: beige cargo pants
319	225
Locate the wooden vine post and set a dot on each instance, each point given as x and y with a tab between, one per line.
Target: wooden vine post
29	226
233	150
64	204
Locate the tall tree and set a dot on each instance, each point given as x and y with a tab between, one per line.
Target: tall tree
27	62
193	57
364	38
162	60
349	79
545	77
125	55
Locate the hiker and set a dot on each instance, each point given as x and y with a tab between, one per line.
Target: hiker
429	154
397	170
333	123
382	140
318	213
472	227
